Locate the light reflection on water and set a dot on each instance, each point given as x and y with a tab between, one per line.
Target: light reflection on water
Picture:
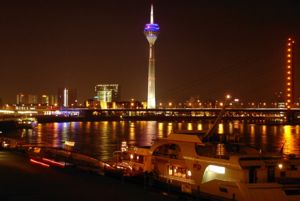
101	139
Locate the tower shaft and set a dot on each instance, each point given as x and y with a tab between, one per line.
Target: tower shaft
151	101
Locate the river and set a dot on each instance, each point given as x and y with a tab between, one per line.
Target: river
101	139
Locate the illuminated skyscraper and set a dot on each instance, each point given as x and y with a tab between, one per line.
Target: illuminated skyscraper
67	97
151	31
289	88
107	92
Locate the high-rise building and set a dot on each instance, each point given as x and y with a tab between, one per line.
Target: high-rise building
44	100
53	100
151	31
290	66
67	97
21	99
32	99
107	92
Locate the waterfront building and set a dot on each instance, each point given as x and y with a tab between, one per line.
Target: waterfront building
53	100
67	97
47	100
290	66
44	100
32	99
151	31
107	93
21	99
26	99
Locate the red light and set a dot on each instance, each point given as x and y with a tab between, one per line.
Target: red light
39	163
52	162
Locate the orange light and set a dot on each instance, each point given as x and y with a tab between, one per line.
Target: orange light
289	66
289	89
288	83
289	49
289	55
289	44
289	72
289	61
39	163
289	95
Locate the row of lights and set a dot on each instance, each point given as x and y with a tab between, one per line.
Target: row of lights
289	71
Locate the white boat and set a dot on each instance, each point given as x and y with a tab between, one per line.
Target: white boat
28	123
222	171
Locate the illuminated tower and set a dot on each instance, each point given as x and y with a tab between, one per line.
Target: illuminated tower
151	31
289	88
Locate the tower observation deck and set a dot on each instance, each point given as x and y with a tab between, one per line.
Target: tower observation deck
151	31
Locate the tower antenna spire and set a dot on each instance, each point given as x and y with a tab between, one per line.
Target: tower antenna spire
151	15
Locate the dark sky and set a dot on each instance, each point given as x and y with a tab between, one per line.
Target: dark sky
205	48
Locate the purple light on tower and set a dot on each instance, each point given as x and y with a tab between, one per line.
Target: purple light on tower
151	31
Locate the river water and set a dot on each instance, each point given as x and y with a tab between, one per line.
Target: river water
101	139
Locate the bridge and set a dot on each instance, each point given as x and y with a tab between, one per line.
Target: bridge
275	115
282	115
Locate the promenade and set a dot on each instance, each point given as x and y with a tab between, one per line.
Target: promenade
21	180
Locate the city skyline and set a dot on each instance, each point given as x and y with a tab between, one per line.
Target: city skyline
206	48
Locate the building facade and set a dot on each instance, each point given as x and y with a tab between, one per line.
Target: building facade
32	99
67	97
107	92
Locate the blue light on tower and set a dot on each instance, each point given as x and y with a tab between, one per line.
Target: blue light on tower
151	31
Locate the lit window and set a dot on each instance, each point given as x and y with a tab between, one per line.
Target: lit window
216	169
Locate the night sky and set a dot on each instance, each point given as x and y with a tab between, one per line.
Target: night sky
205	48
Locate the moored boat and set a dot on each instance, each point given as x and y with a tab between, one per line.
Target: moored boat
216	170
28	123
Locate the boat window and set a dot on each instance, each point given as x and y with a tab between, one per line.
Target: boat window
177	171
167	150
132	157
252	175
214	172
204	150
219	150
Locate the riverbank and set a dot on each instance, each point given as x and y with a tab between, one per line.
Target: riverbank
22	180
